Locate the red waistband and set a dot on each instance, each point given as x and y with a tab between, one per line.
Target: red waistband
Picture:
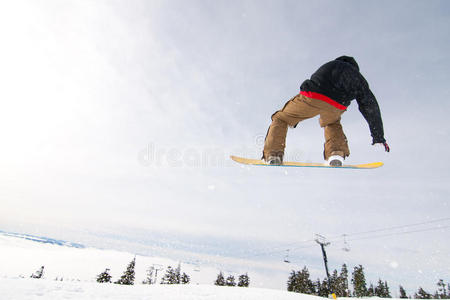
323	98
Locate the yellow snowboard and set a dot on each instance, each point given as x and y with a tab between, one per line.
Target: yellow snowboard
258	162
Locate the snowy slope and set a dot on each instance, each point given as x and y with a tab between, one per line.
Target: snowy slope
71	270
47	289
44	240
23	256
78	267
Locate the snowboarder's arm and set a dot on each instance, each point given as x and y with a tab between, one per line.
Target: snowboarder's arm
368	106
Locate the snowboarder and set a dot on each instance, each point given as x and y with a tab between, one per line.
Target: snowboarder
328	93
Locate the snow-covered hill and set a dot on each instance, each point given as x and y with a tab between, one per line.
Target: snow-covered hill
71	269
47	289
44	240
23	255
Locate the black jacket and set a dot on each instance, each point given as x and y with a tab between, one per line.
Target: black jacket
341	81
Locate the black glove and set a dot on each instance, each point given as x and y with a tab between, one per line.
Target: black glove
386	146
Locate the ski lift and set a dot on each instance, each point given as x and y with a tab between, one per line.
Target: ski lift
157	267
286	257
346	246
321	240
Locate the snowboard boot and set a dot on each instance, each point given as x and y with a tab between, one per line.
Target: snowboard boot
335	160
274	160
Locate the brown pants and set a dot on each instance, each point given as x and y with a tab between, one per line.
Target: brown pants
301	108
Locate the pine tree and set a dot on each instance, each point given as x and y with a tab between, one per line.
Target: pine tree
244	280
128	276
38	274
220	281
291	281
324	289
174	276
230	281
387	293
299	282
379	290
371	291
442	290
171	277
318	289
421	294
178	274
185	279
342	286
104	277
309	285
168	276
382	290
403	293
334	281
359	282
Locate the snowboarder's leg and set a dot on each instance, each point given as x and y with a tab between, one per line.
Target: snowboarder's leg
335	139
275	139
294	111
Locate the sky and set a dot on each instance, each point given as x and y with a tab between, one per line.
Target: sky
118	120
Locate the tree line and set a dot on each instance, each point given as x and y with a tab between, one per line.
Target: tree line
172	276
243	280
339	284
298	281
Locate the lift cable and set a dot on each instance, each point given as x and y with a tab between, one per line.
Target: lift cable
272	251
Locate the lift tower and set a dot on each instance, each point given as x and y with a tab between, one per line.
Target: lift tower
321	240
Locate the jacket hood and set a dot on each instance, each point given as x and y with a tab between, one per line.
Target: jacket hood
349	60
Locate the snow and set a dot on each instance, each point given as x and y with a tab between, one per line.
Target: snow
70	273
22	257
71	270
18	288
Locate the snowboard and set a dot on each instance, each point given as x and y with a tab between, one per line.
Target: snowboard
259	162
